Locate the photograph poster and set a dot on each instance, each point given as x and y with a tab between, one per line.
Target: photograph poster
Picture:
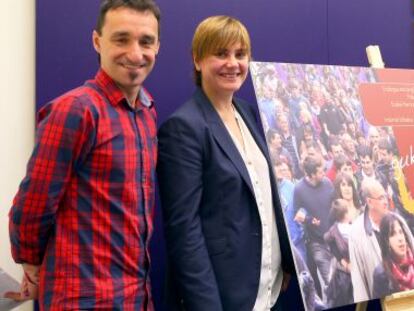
340	140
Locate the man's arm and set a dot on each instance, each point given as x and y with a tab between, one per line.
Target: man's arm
62	136
357	270
180	170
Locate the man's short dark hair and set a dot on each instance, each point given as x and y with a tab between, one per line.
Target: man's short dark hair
270	134
138	5
311	164
333	141
364	151
341	160
384	144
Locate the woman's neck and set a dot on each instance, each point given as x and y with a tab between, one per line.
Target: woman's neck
222	101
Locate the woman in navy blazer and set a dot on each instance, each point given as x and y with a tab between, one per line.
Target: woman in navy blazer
221	253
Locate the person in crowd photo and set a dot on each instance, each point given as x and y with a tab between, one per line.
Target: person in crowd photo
364	249
223	221
274	143
339	291
312	201
345	189
396	272
289	142
285	187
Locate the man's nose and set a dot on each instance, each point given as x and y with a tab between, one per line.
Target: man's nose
136	52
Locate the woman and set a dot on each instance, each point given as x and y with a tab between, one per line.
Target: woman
339	290
345	189
396	273
216	187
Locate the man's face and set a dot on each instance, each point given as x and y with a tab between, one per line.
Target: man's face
319	175
384	156
337	150
373	137
348	143
367	165
276	142
128	45
378	200
347	169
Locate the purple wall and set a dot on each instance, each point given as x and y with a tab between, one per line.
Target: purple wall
297	31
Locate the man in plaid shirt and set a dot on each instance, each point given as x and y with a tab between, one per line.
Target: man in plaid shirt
82	219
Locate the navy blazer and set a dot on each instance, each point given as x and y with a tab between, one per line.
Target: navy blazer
212	223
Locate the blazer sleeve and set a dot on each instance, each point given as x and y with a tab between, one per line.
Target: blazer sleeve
180	178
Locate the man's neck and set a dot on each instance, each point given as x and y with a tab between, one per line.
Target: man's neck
311	181
375	220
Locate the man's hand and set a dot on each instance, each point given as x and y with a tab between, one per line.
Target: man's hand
300	216
285	281
316	221
29	288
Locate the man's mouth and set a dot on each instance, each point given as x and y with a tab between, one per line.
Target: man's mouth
133	66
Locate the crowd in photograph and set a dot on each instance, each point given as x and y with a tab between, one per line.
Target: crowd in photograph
347	205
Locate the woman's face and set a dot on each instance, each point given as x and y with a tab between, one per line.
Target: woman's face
346	190
397	241
307	135
224	71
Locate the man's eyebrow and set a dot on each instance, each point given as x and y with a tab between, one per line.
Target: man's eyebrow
120	34
149	38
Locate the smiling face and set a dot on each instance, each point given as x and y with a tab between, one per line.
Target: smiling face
367	165
128	45
224	71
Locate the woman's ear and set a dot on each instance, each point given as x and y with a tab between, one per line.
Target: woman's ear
196	64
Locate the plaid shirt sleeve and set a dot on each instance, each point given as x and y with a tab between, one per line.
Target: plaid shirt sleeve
63	137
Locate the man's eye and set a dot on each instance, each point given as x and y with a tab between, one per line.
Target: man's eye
121	41
147	42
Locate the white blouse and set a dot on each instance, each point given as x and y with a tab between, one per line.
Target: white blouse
271	273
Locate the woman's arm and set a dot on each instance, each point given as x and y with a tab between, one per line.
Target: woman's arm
180	178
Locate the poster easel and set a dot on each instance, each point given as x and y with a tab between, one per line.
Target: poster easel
398	301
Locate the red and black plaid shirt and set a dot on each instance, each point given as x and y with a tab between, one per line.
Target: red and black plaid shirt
84	211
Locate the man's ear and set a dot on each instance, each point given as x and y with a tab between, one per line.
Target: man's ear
96	41
157	47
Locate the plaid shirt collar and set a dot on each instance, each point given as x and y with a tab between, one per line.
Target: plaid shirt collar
115	95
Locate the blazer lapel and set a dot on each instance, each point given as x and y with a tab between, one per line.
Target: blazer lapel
222	136
251	124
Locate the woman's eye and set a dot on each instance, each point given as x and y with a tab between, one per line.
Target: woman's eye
221	53
241	54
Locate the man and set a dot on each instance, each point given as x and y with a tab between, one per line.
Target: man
82	219
312	198
335	148
364	250
289	143
331	120
349	147
274	142
367	170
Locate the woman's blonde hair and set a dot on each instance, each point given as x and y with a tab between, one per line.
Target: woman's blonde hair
215	33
